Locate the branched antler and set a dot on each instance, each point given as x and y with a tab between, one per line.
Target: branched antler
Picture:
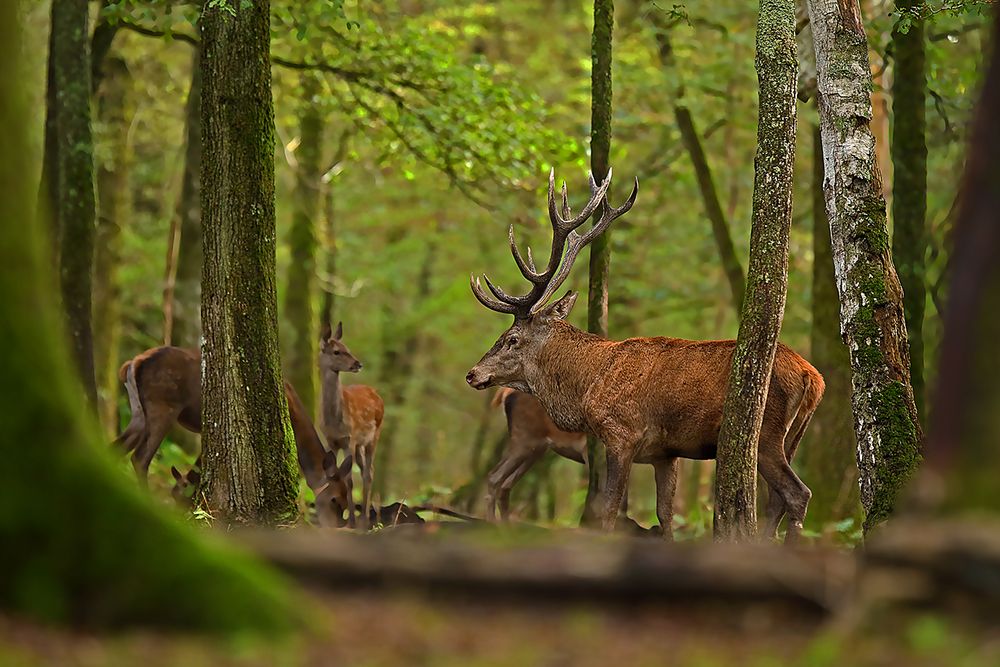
564	225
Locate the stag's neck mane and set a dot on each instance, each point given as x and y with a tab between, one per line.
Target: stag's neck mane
568	364
332	401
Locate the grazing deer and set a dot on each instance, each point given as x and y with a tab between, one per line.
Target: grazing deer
164	387
351	416
531	434
649	400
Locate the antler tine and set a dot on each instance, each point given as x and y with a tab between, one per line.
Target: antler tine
489	302
513	300
527	268
577	242
564	227
566	211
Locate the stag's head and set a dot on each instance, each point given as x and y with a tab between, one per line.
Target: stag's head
333	497
333	354
512	357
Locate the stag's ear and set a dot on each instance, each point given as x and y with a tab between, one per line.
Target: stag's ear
559	310
330	464
339	333
345	467
324	332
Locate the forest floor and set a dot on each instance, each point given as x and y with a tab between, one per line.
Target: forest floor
455	598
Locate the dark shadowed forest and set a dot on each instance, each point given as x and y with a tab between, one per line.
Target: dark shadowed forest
419	332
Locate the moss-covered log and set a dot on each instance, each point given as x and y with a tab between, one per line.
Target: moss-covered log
80	545
74	204
826	458
249	467
871	299
600	248
767	275
299	340
114	116
909	182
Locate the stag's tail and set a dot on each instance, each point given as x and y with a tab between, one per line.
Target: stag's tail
134	433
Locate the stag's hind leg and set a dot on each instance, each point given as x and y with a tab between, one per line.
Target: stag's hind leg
666	486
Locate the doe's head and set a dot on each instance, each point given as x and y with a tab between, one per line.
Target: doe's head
513	357
333	353
333	498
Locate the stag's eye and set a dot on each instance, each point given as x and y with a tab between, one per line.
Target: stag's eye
336	352
512	341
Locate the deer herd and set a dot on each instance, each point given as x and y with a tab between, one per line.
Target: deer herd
648	400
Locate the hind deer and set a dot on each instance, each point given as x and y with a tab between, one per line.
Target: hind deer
164	387
649	400
351	416
531	435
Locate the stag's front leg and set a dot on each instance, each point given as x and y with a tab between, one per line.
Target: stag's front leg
619	468
666	485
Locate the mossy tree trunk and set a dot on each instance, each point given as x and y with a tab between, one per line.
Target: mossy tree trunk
186	306
871	300
703	172
114	114
909	185
965	425
74	203
247	444
600	248
300	315
827	457
89	549
764	306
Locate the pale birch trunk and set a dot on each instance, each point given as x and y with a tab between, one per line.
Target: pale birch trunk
871	310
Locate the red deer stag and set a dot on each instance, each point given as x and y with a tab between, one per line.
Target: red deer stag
531	435
164	387
351	416
649	400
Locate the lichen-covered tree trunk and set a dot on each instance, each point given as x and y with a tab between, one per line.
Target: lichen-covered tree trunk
186	307
909	185
247	443
114	113
89	549
767	275
826	459
871	307
75	208
963	458
600	248
703	172
300	315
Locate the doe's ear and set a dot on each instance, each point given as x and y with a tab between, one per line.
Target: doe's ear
324	332
330	464
561	309
194	477
345	467
339	333
176	473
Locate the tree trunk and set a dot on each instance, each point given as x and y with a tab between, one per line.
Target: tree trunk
600	248
965	428
909	186
249	472
88	549
75	208
186	302
827	457
300	343
871	308
114	109
703	172
46	209
764	307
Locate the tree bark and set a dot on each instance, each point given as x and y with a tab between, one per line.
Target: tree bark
88	550
600	247
703	172
114	112
827	457
965	428
909	185
250	470
46	208
185	307
75	208
763	309
871	308
300	315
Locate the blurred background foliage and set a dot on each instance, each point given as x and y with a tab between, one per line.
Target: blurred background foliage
440	122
